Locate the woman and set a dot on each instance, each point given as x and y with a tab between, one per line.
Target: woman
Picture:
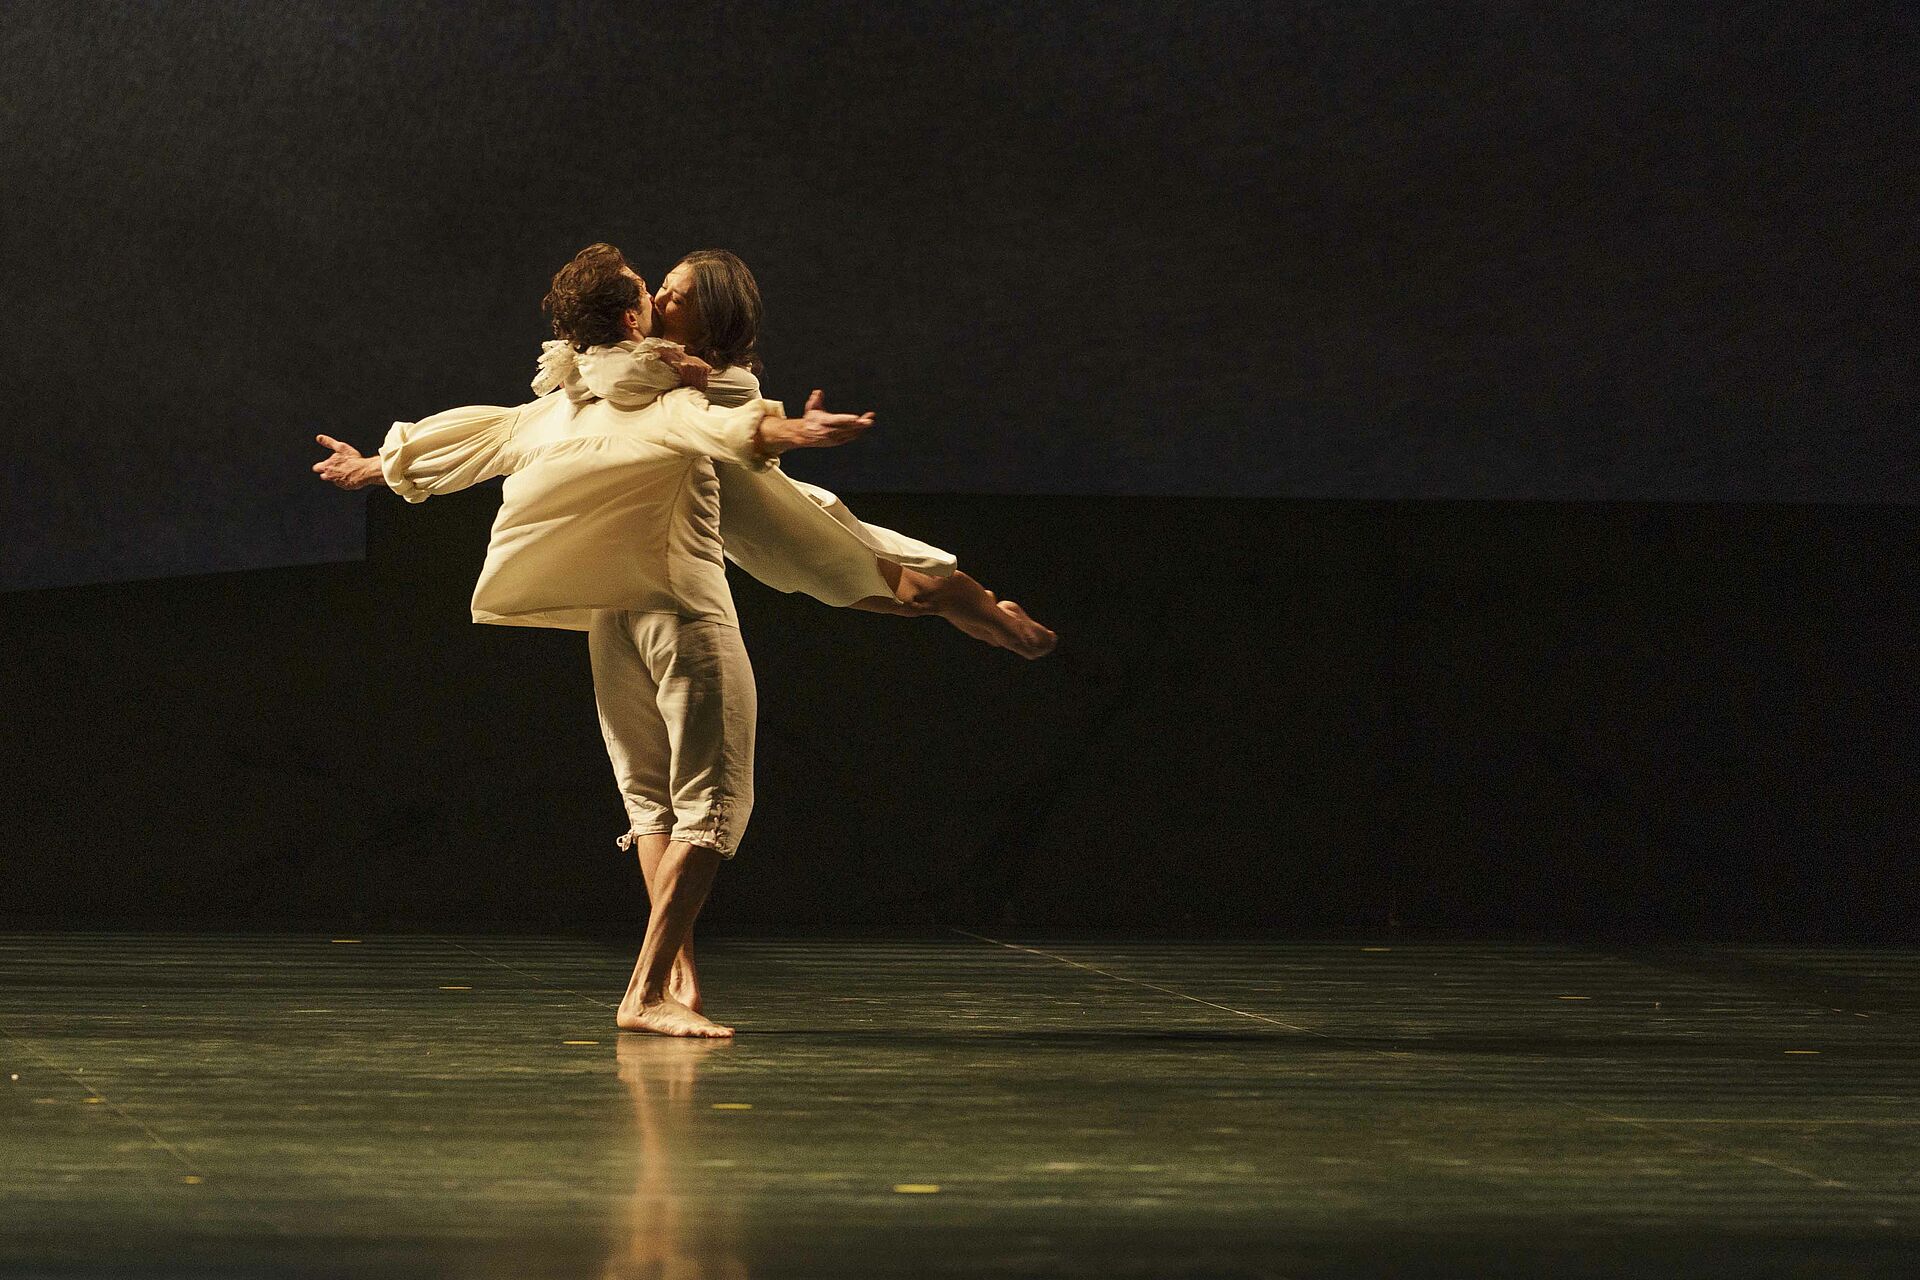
709	305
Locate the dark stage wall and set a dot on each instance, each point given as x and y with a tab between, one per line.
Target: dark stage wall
1287	714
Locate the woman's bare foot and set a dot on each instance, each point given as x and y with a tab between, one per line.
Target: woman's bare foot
1029	638
668	1017
973	609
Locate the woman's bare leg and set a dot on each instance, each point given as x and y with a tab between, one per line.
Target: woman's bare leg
683	983
964	603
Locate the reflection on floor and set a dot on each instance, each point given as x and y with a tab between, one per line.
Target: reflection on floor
292	1106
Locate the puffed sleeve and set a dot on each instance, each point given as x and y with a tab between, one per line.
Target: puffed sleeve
648	378
628	375
693	424
447	451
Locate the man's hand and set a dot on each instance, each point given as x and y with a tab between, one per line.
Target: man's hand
346	467
817	430
690	369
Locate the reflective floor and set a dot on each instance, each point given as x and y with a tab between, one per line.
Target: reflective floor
427	1106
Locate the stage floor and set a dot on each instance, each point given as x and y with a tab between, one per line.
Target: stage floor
281	1105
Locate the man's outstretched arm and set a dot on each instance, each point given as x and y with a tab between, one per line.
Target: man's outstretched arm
816	429
442	453
346	467
751	435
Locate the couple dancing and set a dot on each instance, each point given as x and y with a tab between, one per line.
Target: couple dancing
648	460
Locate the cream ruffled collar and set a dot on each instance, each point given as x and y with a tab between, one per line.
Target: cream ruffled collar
593	373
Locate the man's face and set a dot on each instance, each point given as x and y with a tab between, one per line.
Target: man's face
644	326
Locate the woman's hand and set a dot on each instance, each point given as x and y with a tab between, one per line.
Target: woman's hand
346	468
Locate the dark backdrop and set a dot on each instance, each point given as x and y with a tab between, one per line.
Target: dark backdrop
1360	250
1669	719
1464	449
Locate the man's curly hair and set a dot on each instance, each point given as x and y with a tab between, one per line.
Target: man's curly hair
589	296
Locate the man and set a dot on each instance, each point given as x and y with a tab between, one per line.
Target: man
609	522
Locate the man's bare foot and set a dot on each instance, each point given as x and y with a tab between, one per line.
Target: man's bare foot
668	1017
683	984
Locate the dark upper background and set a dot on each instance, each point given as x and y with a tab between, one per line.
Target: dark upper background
1351	250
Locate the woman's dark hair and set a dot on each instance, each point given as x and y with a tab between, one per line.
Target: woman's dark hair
589	297
726	307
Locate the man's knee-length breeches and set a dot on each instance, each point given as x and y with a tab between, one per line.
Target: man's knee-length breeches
676	702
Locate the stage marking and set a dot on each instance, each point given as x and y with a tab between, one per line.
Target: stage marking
733	1106
551	986
1154	986
100	1099
1652	1126
344	941
579	1042
456	988
916	1188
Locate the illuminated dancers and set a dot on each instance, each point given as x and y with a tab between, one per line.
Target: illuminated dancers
621	480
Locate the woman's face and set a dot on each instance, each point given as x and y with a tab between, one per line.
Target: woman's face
675	319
